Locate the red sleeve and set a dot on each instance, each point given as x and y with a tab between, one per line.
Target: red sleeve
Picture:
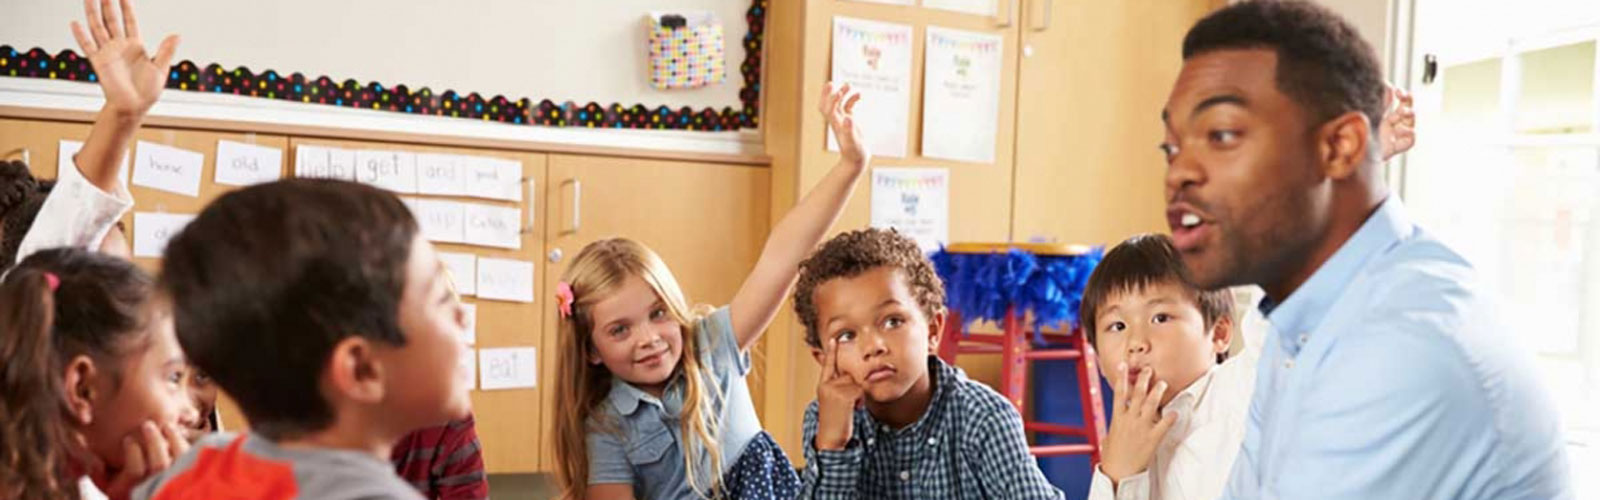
460	474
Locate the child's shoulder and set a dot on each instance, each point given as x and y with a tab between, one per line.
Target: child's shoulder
974	400
964	388
252	467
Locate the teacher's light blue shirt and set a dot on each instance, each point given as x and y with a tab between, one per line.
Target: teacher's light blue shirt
1389	375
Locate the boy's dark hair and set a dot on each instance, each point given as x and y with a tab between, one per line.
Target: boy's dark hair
1323	63
1141	262
852	253
267	279
56	305
21	197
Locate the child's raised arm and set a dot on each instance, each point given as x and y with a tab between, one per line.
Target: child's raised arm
131	80
757	302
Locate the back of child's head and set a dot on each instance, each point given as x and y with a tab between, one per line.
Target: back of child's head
21	197
1139	263
268	279
597	273
57	305
855	252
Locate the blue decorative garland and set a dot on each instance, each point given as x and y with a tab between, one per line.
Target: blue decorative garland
984	286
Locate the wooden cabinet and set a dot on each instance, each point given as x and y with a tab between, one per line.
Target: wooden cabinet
1093	79
708	220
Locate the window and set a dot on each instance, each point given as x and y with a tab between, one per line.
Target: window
1507	170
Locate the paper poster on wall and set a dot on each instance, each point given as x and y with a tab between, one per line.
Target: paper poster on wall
167	168
492	225
440	220
324	163
505	279
493	178
439	174
875	59
977	7
470	334
242	164
463	269
913	201
392	170
152	231
64	159
961	95
508	367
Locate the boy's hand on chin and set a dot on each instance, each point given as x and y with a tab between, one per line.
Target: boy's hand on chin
837	396
1137	426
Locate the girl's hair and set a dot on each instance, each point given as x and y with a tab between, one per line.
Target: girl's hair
595	274
21	197
97	309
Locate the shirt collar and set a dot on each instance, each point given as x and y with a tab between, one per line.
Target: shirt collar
1186	402
944	377
625	397
1307	305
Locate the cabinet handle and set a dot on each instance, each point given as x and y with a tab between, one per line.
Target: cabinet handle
577	203
1011	13
1049	12
528	184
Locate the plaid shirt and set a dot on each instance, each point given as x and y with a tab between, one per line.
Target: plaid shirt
969	445
443	462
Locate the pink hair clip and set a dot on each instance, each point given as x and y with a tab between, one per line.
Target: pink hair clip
52	280
564	299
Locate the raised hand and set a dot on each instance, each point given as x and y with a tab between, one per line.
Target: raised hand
129	76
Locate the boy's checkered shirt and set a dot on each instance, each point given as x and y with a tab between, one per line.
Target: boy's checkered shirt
969	445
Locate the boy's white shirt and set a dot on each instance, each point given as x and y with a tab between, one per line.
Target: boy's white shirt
88	491
1195	458
75	214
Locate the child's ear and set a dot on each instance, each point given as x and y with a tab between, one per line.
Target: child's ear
78	381
355	371
1221	335
936	330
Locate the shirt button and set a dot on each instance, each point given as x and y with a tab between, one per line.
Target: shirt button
1304	338
933	441
1288	364
905	475
871	441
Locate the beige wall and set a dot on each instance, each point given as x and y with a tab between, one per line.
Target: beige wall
583	50
1371	17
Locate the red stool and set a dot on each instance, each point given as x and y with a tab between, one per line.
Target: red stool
1016	350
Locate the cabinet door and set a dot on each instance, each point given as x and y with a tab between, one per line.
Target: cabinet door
707	221
37	142
41	140
1094	77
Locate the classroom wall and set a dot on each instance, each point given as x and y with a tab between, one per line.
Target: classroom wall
581	50
1372	19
